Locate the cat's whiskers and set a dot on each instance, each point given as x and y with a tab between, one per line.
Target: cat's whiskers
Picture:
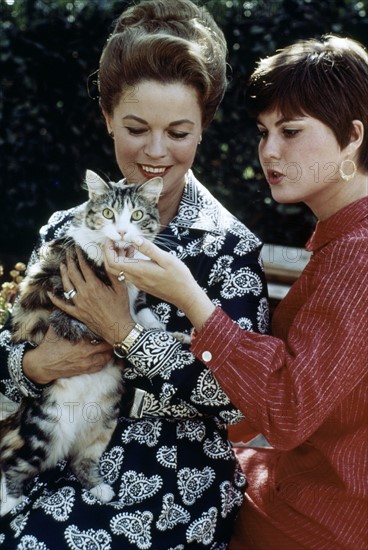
164	241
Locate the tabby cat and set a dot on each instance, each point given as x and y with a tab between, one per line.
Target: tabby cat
41	432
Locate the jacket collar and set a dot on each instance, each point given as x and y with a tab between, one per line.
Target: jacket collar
342	222
198	209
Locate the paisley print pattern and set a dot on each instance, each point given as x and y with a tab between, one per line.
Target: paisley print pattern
146	432
193	483
203	529
208	392
137	487
58	504
135	526
166	456
18	524
87	540
171	514
263	317
173	471
193	430
28	542
111	463
217	447
231	498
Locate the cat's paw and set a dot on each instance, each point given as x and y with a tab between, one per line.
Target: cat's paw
103	492
7	502
182	337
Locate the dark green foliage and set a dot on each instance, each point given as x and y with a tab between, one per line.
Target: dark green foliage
52	131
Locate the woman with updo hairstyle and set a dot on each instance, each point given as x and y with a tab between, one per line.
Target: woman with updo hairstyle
176	480
166	41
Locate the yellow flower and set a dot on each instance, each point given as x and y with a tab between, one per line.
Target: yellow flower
9	291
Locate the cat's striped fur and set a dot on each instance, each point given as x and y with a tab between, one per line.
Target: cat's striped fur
46	430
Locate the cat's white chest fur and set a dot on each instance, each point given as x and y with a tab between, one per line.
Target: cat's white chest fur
77	406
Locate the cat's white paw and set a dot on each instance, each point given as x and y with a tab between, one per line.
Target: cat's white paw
103	492
182	337
5	507
8	504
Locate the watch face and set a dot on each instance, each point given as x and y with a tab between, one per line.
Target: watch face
119	351
122	348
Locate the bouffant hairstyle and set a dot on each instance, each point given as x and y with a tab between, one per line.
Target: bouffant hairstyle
325	78
166	41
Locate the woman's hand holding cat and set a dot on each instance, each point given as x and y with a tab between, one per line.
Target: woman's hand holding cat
56	357
162	275
103	309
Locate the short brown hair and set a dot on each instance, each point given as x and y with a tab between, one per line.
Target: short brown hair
165	41
325	78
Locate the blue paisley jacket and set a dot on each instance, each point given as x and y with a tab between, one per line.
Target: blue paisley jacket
169	461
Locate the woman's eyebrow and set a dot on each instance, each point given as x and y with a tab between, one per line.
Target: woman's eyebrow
174	123
136	118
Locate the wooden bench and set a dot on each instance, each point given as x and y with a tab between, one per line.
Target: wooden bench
283	265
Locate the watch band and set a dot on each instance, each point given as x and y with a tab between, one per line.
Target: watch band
121	349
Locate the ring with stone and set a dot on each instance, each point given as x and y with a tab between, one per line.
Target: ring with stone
69	295
121	276
94	341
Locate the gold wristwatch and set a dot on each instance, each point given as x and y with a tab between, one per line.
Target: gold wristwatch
121	349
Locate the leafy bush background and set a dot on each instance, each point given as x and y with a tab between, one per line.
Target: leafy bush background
51	131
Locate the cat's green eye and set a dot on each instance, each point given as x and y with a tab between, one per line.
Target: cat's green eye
108	213
137	215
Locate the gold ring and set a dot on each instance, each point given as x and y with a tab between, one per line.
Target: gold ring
121	276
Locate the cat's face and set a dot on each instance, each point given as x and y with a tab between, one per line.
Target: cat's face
118	212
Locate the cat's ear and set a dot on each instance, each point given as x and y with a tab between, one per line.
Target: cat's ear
96	186
151	189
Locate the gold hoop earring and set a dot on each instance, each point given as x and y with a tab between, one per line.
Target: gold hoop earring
347	177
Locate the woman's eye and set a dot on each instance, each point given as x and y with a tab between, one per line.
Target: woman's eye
136	131
108	213
291	132
178	135
137	215
262	134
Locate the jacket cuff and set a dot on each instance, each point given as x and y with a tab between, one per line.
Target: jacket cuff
213	343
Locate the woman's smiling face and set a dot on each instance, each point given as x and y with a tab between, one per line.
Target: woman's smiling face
156	130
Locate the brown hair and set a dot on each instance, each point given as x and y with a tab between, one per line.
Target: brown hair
324	78
165	41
